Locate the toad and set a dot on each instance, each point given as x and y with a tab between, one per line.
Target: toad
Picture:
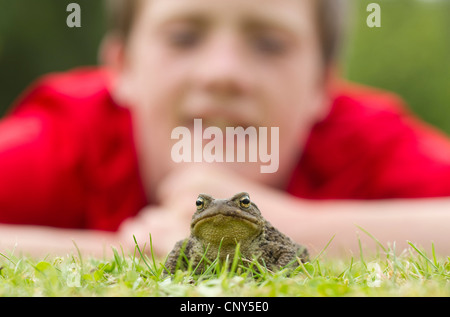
219	225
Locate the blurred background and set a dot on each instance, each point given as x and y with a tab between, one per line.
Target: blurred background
409	54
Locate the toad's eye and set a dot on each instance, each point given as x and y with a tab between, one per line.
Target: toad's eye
245	202
200	203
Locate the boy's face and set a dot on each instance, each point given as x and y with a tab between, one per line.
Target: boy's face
252	63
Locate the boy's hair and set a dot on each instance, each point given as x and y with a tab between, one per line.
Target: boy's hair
330	16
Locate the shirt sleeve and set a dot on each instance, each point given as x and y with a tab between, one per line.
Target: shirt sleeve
67	156
414	163
39	160
371	147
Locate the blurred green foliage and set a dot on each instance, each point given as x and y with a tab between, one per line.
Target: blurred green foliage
409	54
35	40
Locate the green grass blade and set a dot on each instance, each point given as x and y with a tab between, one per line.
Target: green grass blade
361	255
155	267
237	256
323	250
373	238
304	268
422	255
143	257
1	254
433	250
117	259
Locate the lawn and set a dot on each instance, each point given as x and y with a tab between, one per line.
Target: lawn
411	272
407	55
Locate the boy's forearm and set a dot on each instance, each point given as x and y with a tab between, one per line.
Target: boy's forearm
43	241
314	223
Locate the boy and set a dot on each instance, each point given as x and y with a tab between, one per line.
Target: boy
79	161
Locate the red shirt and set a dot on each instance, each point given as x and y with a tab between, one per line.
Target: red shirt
67	156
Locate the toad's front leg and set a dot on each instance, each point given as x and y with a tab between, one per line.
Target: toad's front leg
187	254
291	256
278	256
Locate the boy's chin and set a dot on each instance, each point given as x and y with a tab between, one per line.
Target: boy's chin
250	171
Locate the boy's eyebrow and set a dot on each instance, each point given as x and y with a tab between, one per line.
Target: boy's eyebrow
263	19
253	21
255	24
191	18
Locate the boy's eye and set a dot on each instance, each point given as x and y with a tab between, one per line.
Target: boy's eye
269	44
184	37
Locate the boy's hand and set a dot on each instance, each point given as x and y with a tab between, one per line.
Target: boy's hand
170	221
165	225
183	185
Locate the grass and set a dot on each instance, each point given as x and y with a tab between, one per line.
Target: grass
412	272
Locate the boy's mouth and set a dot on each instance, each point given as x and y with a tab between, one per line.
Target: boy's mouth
222	124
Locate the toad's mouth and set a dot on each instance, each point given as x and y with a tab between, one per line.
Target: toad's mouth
223	228
226	215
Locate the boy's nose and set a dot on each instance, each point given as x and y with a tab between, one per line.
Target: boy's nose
223	68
